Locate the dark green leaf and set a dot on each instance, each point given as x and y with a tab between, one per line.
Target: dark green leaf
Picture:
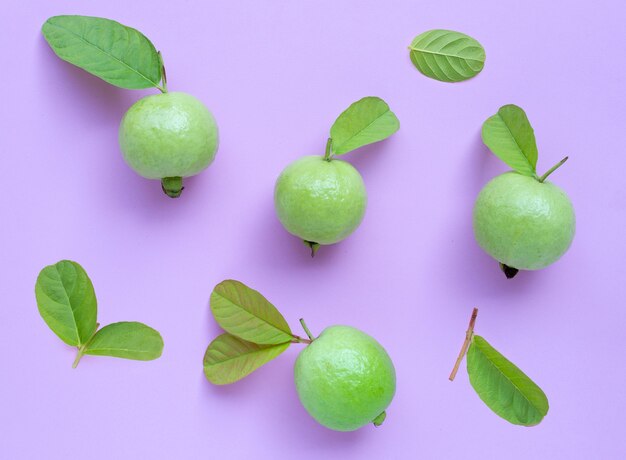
67	301
503	386
446	55
228	358
120	55
130	340
509	135
248	315
366	121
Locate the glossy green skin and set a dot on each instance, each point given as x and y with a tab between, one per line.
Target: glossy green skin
522	222
345	378
320	201
168	135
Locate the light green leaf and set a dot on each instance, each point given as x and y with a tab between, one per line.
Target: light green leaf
228	358
248	315
509	135
120	55
67	301
366	121
130	340
446	55
503	386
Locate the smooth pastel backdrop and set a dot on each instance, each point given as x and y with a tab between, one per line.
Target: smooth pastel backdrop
276	74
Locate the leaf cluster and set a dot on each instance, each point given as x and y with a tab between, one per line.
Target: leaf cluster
256	333
67	303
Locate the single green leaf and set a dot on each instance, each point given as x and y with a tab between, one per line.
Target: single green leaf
446	55
366	121
503	386
248	315
119	55
130	340
67	301
228	358
509	135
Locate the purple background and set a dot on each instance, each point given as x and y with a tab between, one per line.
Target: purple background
276	74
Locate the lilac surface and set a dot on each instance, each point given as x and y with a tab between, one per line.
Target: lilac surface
276	74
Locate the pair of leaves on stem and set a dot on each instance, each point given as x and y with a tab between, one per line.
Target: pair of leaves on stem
501	385
67	303
256	333
119	55
446	55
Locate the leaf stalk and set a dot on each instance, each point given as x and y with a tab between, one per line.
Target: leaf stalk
552	169
468	339
306	329
328	153
83	348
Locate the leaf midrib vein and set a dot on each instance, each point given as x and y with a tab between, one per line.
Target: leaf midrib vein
266	321
516	143
413	49
370	124
509	380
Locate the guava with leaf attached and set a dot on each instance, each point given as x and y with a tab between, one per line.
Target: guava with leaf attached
523	223
345	379
168	137
320	200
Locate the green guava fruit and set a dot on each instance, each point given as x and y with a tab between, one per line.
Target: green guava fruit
345	379
321	201
168	136
523	223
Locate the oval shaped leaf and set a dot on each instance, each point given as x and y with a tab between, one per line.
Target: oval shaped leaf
503	386
67	302
248	315
366	121
446	55
228	358
119	55
129	340
509	135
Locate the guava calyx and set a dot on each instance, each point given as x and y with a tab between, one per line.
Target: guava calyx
378	421
509	272
172	186
313	245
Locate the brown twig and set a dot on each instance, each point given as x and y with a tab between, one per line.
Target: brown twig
468	338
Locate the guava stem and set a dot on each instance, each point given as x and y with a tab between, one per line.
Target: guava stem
468	338
306	329
172	186
552	169
81	352
328	154
298	339
83	347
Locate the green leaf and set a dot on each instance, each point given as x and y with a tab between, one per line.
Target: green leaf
130	340
67	301
446	55
248	315
366	121
509	135
503	386
120	55
228	358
